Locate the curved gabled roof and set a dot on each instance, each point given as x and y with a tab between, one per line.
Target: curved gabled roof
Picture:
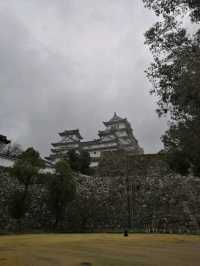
4	139
71	133
115	119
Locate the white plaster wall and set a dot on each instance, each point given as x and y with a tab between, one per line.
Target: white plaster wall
95	154
108	138
6	162
76	138
94	164
121	133
122	125
47	170
123	141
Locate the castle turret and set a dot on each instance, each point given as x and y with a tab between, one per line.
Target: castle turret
119	131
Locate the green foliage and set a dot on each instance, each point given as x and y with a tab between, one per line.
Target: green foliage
182	144
25	169
32	157
61	191
80	162
27	166
166	7
74	160
85	161
175	74
18	204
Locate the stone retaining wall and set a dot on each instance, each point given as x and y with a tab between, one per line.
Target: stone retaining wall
138	192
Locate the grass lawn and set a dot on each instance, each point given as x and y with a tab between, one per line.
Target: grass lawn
99	249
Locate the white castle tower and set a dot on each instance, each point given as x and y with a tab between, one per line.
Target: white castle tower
117	135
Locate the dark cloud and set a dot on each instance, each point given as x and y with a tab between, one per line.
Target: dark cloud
71	64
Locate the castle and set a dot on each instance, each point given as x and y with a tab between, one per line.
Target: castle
117	135
136	191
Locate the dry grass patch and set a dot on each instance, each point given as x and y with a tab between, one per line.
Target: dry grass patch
99	249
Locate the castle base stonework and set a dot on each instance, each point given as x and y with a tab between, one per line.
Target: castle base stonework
138	192
158	200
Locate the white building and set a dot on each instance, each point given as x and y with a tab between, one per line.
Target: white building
117	135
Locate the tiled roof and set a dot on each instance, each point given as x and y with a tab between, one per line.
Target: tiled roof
5	155
4	139
114	119
105	132
91	142
64	144
70	133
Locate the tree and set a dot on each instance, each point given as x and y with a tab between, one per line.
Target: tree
18	204
85	161
26	169
175	74
13	150
79	162
61	191
167	7
74	160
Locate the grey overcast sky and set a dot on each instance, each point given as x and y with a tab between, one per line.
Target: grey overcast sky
68	64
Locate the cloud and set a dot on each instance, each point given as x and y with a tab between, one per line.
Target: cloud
71	64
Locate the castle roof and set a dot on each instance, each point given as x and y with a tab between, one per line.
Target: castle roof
106	132
63	144
90	143
4	139
115	119
67	133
